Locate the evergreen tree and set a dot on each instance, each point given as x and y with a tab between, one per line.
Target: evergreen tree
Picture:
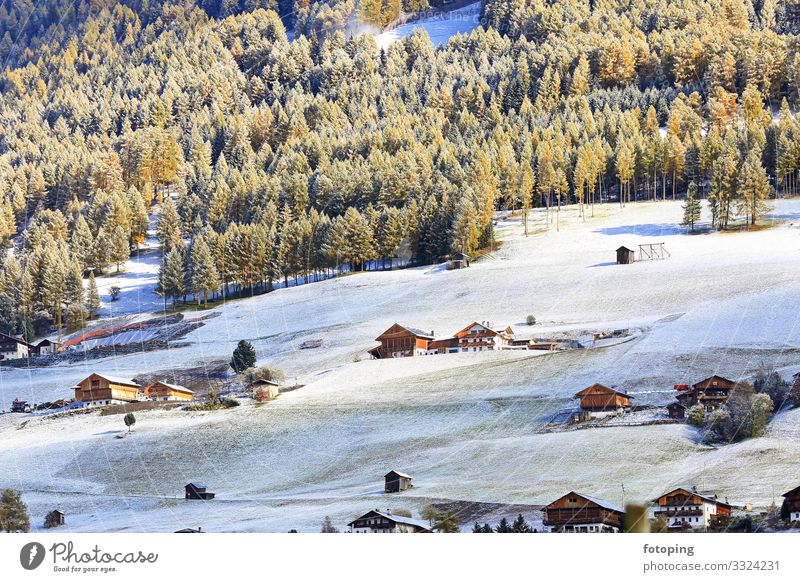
92	297
691	209
244	357
171	276
120	249
204	275
503	526
13	513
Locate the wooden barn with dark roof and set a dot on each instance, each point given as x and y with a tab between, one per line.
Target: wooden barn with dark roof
599	398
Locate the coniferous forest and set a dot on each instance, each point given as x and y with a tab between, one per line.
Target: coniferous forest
275	161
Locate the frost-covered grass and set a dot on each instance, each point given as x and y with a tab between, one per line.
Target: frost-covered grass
466	426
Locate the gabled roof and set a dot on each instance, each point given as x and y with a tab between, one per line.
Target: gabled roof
197	485
398	473
595	500
412	330
395	518
603	389
688	491
15	339
795	491
113	380
626	248
711	378
497	330
171	387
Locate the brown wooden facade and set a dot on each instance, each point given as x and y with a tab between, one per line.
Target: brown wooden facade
575	512
478	337
711	393
602	398
98	388
385	522
163	391
401	341
625	256
793	504
198	491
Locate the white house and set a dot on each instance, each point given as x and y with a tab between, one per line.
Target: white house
686	508
387	522
13	348
481	337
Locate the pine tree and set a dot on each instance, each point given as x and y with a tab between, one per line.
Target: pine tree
169	226
171	277
204	275
520	525
13	513
81	242
691	210
503	526
120	249
92	297
244	357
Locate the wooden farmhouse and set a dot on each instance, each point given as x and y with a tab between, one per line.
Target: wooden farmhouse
448	345
575	512
190	530
395	481
13	348
163	391
676	410
599	398
386	522
711	393
198	491
625	256
480	337
793	504
686	508
102	390
400	341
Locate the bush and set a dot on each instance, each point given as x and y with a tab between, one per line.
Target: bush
530	320
268	373
114	293
52	519
774	386
697	415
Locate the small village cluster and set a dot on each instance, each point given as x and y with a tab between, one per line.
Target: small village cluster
16	348
104	390
683	509
401	341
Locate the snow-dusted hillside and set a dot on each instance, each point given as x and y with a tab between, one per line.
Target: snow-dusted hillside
440	27
466	426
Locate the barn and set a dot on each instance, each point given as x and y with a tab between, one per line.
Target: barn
401	341
575	512
101	389
395	481
625	256
599	398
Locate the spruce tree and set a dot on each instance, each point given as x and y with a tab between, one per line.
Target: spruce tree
120	250
691	210
244	357
171	276
92	297
204	276
13	513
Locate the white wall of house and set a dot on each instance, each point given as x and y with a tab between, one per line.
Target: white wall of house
707	511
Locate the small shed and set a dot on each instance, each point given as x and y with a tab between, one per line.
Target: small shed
198	491
599	398
625	256
676	410
458	261
395	481
265	389
55	518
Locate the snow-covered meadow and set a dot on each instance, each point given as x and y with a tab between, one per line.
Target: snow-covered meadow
440	27
466	426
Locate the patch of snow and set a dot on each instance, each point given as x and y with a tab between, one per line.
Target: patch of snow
440	27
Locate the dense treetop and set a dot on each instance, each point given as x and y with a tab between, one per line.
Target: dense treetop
275	159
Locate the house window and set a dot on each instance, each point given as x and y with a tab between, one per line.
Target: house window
573	500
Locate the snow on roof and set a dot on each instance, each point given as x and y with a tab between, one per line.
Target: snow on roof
117	380
398	519
601	503
418	332
197	485
398	473
705	495
174	387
